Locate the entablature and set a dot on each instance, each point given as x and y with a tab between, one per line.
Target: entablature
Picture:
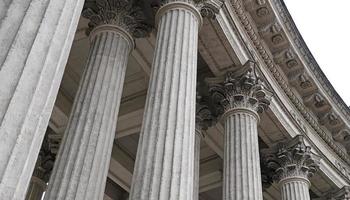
278	45
294	65
311	110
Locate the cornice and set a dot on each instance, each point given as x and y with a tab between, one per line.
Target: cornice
308	57
268	59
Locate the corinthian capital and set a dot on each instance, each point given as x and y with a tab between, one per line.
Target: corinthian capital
123	13
291	160
242	89
204	115
207	8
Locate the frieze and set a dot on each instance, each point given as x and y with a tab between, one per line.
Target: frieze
263	52
311	62
299	121
343	169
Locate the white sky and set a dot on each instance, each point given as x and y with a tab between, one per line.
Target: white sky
325	27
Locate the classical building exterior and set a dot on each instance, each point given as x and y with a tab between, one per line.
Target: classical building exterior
165	100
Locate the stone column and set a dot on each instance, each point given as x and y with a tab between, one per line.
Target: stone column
204	119
240	97
293	164
82	163
35	38
36	189
164	163
197	147
42	171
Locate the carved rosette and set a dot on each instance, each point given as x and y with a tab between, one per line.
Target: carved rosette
241	90
291	160
122	13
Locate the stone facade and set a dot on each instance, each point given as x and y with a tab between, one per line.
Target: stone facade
165	99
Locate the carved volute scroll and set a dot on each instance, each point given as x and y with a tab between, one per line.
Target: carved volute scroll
244	90
293	159
123	13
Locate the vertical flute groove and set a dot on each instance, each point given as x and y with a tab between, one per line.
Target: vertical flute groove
80	171
241	160
295	190
35	39
197	147
163	168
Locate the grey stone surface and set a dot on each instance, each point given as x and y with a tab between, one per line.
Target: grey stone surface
36	189
342	194
164	163
292	165
82	163
196	160
239	98
35	38
204	119
295	189
42	171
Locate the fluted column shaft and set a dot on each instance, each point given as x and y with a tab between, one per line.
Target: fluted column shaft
197	148
295	189
164	163
82	163
36	189
35	38
242	177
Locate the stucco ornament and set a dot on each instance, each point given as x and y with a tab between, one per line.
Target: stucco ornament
243	89
291	160
123	13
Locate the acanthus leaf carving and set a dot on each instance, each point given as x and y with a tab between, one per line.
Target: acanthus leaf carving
204	114
291	159
123	13
241	90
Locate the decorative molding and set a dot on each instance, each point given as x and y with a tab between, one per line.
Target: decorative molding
240	89
307	56
122	13
343	169
269	62
342	194
299	121
209	8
